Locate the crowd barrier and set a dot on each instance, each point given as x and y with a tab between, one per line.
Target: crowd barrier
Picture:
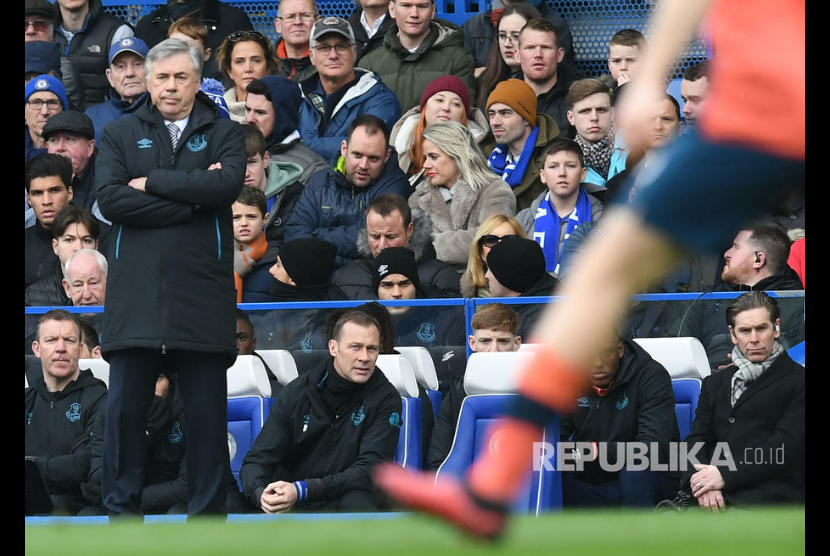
592	22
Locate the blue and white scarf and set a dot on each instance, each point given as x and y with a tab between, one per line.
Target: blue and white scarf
513	172
547	223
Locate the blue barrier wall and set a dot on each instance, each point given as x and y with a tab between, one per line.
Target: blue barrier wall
592	22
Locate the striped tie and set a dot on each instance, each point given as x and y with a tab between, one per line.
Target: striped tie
173	129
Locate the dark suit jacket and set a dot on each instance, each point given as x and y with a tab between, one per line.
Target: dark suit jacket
765	433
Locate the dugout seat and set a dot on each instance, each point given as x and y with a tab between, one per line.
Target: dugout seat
99	367
683	357
686	394
281	362
490	383
400	374
248	390
421	361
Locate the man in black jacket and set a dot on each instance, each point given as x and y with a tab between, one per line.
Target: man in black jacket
757	260
327	429
516	268
61	408
631	400
756	407
390	222
167	178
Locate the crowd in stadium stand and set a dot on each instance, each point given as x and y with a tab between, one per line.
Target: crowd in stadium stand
389	155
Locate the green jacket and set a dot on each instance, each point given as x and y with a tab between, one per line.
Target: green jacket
408	74
531	184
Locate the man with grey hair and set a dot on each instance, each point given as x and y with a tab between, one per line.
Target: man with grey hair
167	178
85	277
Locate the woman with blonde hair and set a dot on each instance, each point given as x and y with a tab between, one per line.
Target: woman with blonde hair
489	233
446	98
458	190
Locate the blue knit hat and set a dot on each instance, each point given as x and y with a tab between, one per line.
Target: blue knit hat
45	82
43	57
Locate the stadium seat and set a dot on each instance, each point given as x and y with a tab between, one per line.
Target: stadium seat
797	353
307	360
99	367
683	357
281	363
490	384
674	90
248	390
398	371
421	361
456	11
686	394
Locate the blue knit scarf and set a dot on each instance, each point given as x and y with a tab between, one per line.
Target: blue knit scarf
547	224
513	172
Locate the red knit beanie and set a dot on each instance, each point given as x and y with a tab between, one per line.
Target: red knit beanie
447	83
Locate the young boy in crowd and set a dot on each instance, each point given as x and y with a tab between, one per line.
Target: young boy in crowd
626	49
252	257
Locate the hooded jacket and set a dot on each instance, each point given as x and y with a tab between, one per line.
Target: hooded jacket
438	279
456	223
170	281
639	407
111	109
304	440
59	427
408	74
331	207
531	186
368	95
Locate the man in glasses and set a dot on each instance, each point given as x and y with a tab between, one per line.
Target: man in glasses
220	18
45	97
339	92
293	23
39	20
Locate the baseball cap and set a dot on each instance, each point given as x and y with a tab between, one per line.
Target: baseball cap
331	24
71	121
129	44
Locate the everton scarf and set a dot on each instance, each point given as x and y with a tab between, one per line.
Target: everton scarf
547	224
513	172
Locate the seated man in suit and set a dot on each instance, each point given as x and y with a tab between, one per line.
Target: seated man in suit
756	407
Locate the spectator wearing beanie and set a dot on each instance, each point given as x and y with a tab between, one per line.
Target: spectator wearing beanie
516	268
45	96
394	277
445	98
515	147
301	273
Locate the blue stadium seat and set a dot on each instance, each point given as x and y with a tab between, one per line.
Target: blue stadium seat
686	394
490	382
399	372
457	11
674	90
248	390
797	353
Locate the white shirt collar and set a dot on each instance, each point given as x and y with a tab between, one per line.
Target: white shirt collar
371	29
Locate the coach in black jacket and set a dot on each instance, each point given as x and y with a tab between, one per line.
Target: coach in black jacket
631	400
761	420
326	430
171	300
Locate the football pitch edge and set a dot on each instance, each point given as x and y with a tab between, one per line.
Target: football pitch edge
615	533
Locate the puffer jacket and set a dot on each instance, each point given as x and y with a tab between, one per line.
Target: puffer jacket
408	74
331	208
367	96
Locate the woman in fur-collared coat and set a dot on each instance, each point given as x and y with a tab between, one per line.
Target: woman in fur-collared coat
458	190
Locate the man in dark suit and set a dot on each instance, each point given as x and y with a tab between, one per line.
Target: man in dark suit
755	406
